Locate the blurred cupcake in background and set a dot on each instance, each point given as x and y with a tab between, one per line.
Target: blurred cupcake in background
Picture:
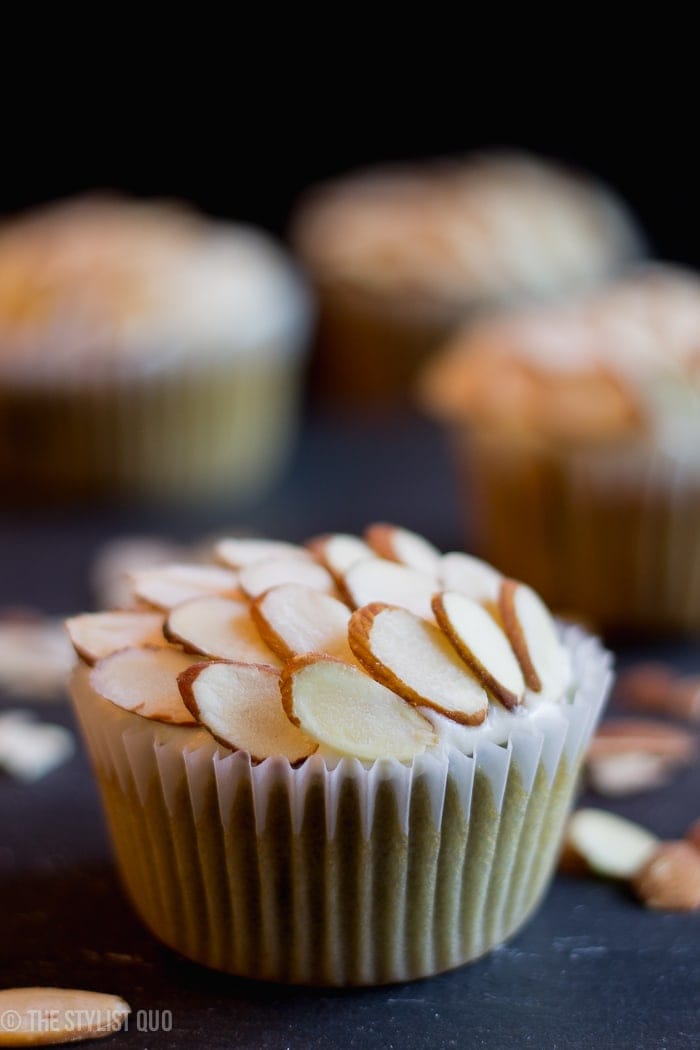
577	428
401	256
145	350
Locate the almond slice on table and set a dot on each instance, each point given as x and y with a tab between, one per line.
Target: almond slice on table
344	709
237	553
95	635
49	1016
693	834
241	706
337	551
532	632
414	659
293	619
377	580
170	585
610	845
670	878
481	643
469	575
145	681
630	773
647	687
221	628
622	736
262	575
403	546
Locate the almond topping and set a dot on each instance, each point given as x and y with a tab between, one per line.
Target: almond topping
262	575
482	645
414	659
221	628
95	635
338	551
344	709
293	620
237	553
403	546
469	575
241	706
533	635
170	585
377	580
144	680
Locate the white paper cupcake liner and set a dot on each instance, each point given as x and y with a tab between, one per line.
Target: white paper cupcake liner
346	874
610	532
207	427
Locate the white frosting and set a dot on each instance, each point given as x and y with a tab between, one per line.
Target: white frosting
491	228
645	329
101	288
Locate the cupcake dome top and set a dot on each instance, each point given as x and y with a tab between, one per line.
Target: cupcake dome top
95	285
490	228
623	360
380	647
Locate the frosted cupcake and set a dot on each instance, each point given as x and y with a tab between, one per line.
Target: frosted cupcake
578	431
401	256
144	349
348	763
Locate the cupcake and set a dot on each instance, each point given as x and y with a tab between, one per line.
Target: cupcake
577	429
144	350
401	256
348	763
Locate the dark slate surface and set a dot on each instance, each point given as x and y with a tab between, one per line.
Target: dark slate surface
592	969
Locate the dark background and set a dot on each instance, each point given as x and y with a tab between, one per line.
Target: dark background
243	142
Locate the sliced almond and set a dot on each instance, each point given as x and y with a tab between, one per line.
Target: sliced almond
344	709
414	659
48	1016
610	845
643	736
647	687
469	575
170	585
145	681
338	551
240	705
670	878
685	698
482	645
377	580
237	553
401	545
262	575
221	628
294	619
533	634
95	635
631	773
693	834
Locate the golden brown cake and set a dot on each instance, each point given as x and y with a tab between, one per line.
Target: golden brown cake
401	256
578	431
144	349
345	763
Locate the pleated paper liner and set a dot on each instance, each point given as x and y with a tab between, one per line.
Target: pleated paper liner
338	874
208	428
612	532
